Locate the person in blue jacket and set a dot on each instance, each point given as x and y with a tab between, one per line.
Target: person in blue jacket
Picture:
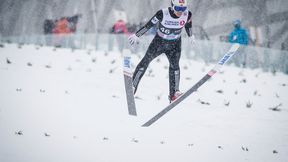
239	35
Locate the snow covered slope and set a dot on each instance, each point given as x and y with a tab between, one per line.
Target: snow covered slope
61	105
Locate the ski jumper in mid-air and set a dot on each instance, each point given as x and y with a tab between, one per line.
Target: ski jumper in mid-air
169	22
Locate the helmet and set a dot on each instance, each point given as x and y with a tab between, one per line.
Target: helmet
179	5
237	23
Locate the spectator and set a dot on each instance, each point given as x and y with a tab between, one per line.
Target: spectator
119	27
48	26
239	35
73	21
62	26
62	30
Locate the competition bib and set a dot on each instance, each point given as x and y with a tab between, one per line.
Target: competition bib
170	28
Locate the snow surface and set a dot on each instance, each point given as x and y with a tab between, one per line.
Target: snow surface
61	105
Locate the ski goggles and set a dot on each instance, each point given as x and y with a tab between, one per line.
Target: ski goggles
179	8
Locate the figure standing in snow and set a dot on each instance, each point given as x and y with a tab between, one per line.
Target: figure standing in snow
239	35
170	22
120	27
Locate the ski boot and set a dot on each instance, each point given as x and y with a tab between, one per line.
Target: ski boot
175	96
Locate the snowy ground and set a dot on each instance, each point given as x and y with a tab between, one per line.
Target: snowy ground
61	105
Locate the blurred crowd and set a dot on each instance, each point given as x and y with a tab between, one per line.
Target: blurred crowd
121	27
238	34
64	25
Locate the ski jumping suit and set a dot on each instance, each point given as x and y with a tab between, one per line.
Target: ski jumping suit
168	41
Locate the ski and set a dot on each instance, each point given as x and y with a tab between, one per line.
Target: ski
194	88
128	86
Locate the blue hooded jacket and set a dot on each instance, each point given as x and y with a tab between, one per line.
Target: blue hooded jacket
239	35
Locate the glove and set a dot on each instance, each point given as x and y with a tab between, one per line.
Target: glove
133	39
192	40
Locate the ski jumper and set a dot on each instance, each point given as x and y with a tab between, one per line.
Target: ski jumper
168	41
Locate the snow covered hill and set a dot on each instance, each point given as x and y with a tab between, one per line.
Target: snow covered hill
61	105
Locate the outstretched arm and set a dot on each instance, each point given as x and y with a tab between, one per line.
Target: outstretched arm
188	25
153	21
188	28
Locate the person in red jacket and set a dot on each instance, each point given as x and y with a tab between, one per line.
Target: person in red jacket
62	27
120	27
